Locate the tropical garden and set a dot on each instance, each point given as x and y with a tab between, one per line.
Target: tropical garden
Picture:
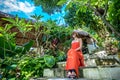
100	18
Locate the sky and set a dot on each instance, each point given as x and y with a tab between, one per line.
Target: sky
26	8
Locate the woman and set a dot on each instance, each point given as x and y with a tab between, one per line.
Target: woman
75	57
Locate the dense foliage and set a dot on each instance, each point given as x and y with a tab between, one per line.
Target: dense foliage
19	62
100	18
114	14
75	17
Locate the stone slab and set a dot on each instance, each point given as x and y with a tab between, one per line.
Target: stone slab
66	79
48	73
102	73
61	64
59	73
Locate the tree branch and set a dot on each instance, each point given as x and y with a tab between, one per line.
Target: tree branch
106	9
103	18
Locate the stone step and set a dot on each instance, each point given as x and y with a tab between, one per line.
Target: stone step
57	79
66	79
69	79
87	73
55	72
101	73
91	71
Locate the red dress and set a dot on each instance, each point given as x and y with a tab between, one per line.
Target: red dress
75	59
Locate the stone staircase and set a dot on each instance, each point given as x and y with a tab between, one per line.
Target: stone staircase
91	72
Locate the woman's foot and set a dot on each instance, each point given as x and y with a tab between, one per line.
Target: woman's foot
71	74
68	74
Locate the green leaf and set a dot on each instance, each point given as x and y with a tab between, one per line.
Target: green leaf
60	56
28	45
12	79
1	29
49	61
77	11
9	19
61	2
6	47
19	49
69	5
13	66
8	27
1	35
13	34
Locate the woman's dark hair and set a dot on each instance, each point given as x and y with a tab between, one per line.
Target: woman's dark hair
77	34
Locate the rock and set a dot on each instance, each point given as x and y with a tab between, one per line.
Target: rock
48	73
91	73
101	54
90	63
61	64
59	73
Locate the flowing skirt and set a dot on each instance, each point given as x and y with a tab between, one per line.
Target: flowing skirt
75	60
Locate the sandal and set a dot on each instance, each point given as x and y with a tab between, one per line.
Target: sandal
73	77
68	74
71	74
